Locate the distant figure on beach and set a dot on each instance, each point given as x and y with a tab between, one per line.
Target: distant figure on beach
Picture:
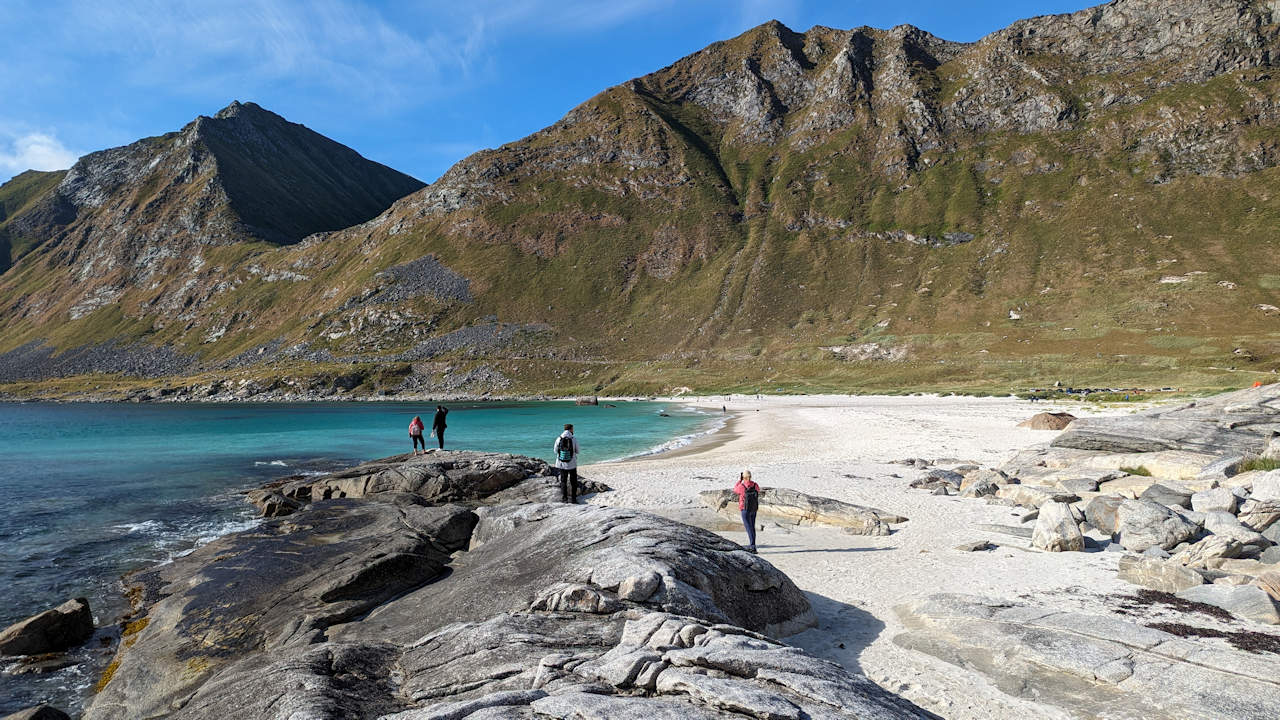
415	435
438	425
566	449
748	503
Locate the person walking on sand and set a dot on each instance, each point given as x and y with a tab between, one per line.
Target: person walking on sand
566	450
748	503
438	425
415	435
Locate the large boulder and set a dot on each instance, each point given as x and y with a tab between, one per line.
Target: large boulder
1211	547
1033	496
797	508
1249	602
1056	529
1228	525
61	628
1258	515
1103	513
1214	500
1144	524
1267	487
1158	574
1167	495
1088	665
1048	421
290	612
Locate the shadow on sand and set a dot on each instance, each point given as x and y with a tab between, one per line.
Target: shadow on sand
842	633
774	549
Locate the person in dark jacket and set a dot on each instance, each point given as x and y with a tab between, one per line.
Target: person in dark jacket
438	425
748	502
566	450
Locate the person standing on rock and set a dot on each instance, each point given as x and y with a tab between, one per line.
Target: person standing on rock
566	450
415	434
438	425
748	503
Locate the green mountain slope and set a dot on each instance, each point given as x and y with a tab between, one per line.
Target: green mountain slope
1088	197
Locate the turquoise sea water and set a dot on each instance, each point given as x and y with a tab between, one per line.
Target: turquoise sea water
92	491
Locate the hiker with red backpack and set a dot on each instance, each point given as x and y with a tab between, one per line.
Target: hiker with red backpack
566	450
748	503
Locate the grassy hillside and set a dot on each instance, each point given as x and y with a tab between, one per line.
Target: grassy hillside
827	211
17	196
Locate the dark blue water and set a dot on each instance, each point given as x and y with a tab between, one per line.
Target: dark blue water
92	491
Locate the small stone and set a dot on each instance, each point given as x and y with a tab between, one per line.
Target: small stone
975	546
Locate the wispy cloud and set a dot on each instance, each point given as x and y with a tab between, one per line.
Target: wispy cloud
33	151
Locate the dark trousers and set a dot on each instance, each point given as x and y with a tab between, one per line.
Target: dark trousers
440	437
569	485
749	522
417	440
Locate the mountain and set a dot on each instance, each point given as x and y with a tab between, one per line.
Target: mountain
1088	197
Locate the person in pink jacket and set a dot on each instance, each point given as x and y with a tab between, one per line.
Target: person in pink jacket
748	503
415	435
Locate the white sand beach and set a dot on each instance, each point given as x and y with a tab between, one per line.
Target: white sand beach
845	448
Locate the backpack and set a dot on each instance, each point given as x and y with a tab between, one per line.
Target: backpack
564	448
751	498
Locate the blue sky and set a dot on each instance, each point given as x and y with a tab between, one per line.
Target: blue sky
417	86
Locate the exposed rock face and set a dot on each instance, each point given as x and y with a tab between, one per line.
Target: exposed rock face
1158	574
1239	423
1244	601
797	508
1092	665
63	627
353	608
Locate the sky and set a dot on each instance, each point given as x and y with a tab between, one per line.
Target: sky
413	85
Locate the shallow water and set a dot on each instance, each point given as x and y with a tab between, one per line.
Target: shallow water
93	491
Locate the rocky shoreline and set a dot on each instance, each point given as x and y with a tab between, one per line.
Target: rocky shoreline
446	586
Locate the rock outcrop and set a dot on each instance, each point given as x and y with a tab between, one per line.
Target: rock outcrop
60	628
797	508
382	605
1092	665
434	478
